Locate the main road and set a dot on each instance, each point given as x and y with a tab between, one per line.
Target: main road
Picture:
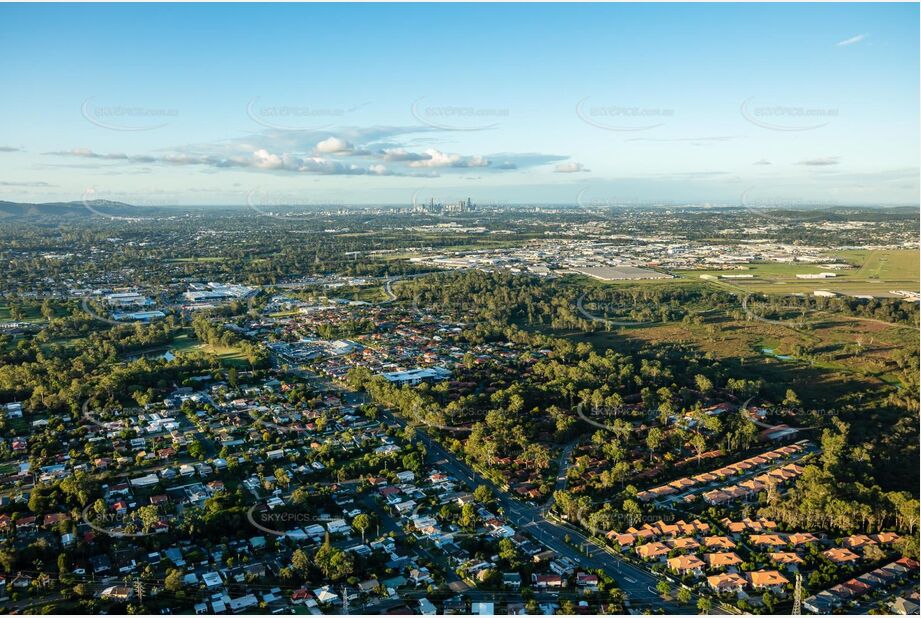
638	584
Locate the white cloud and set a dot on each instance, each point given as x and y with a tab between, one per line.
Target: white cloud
820	161
36	184
348	151
260	159
851	41
401	154
265	160
334	145
570	168
437	158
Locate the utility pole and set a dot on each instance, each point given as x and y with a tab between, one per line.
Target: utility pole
798	595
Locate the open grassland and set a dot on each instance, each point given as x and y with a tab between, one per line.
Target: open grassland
31	313
224	353
886	265
583	280
368	293
834	358
190	345
875	273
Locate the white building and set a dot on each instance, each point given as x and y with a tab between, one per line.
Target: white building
415	376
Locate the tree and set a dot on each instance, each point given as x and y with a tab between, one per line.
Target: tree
509	553
834	445
703	383
300	561
467	517
791	400
664	588
874	553
149	517
906	508
196	449
684	595
768	601
282	478
632	509
333	562
699	444
100	507
40	500
141	397
482	494
622	429
602	519
173	581
47	310
538	455
654	438
79	486
362	522
703	605
413	461
666	411
7	558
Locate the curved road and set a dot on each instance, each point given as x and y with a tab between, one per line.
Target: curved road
607	322
752	315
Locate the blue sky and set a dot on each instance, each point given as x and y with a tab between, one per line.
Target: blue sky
369	103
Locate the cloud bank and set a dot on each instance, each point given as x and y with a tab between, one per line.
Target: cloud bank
354	151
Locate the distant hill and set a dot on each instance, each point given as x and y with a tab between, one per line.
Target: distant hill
829	213
73	209
108	208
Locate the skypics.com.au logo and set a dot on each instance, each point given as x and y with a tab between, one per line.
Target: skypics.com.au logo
622	118
127	118
452	117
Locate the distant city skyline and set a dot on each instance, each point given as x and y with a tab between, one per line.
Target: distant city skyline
589	105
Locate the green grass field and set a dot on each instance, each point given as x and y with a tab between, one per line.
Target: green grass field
190	345
184	343
836	357
875	273
886	265
32	314
223	353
